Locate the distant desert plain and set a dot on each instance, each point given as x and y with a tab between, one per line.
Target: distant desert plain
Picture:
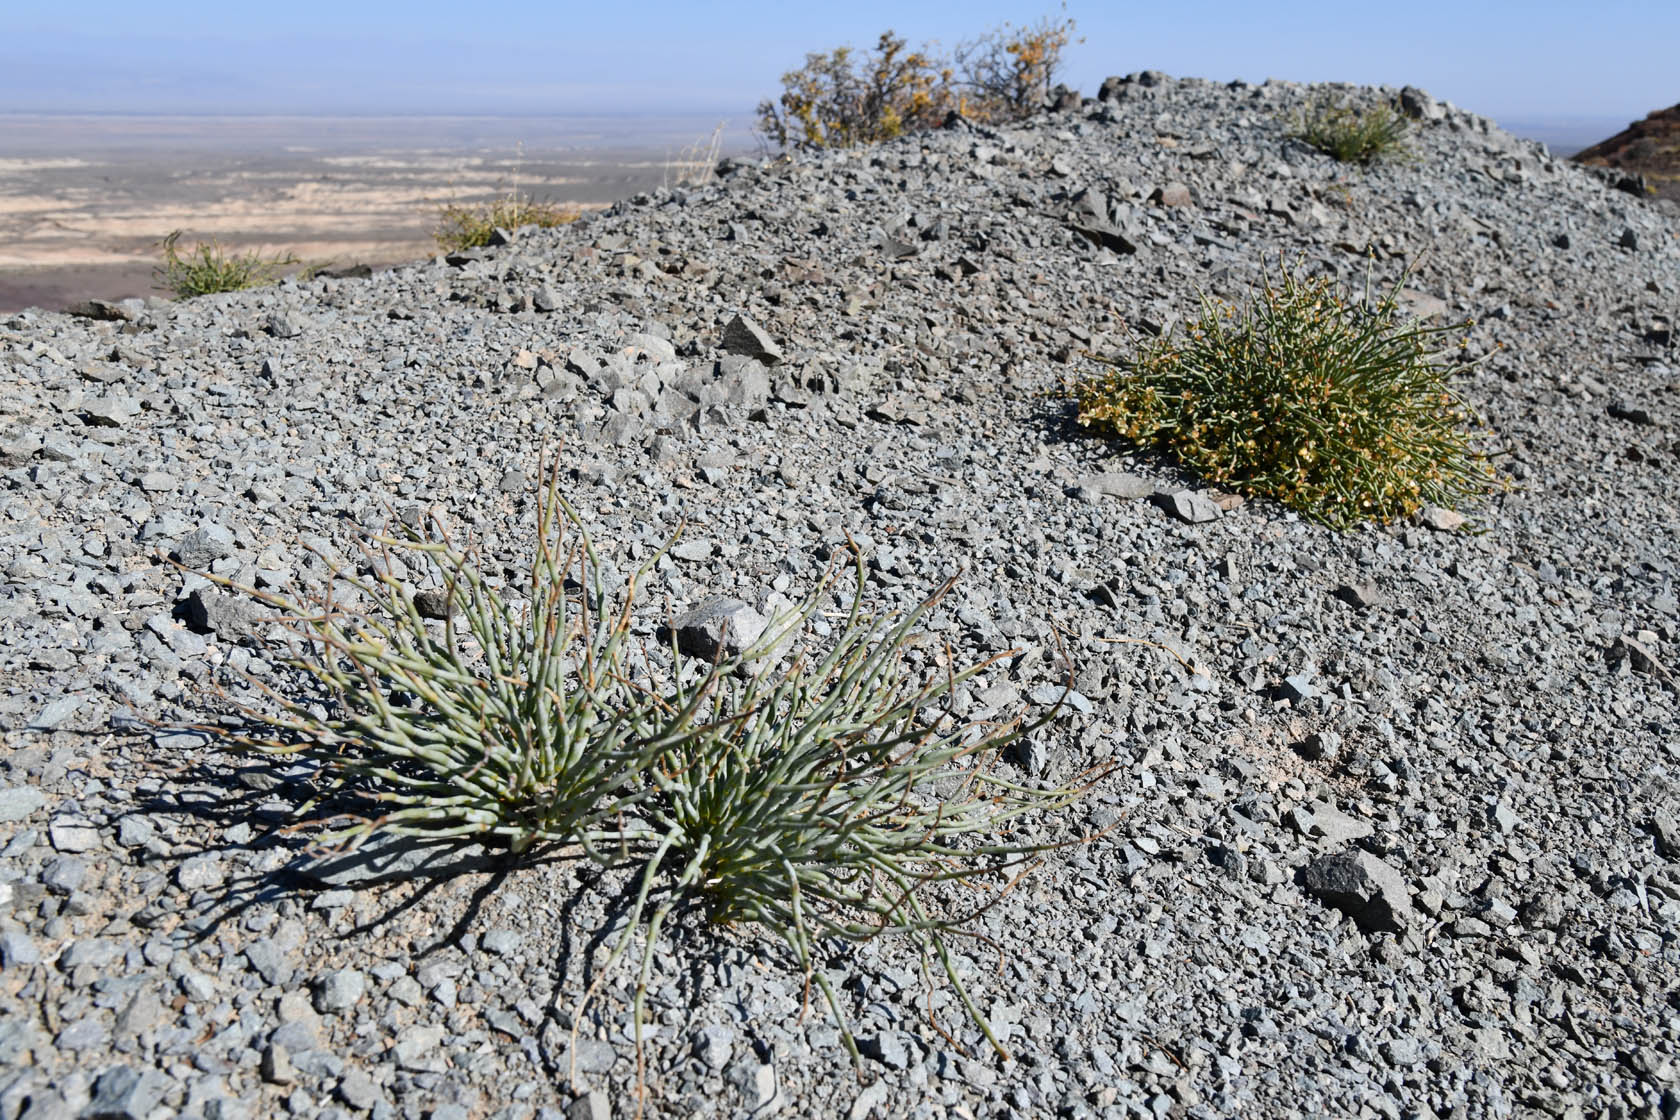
86	200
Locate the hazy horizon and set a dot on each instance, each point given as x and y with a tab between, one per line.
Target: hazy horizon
1533	62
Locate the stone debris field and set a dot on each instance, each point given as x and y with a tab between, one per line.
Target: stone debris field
1388	826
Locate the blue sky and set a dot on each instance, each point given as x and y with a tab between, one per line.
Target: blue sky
1537	61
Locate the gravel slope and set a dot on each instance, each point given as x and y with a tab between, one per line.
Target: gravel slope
1391	827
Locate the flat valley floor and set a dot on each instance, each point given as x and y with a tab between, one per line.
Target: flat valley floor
86	200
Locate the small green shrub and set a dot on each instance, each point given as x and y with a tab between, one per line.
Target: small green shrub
1352	135
207	268
1339	410
840	98
469	226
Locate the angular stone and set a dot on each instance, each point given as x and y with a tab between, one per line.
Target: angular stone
1365	888
73	835
717	630
64	875
714	1045
276	1067
269	961
210	610
502	942
1666	832
282	324
1173	194
123	1094
339	991
433	603
18	949
1635	414
108	412
1189	506
358	1090
416	1048
1359	596
593	1105
203	547
1320	746
1298	688
1419	105
1114	484
1441	520
103	310
18	802
743	336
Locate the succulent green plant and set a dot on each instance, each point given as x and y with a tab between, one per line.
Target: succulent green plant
828	794
824	801
1339	409
207	268
1351	135
500	720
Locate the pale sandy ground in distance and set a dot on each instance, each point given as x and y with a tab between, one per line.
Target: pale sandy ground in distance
84	201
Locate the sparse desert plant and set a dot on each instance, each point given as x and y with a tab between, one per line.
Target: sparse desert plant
830	796
471	225
1009	73
501	720
207	267
1341	410
695	165
1350	134
841	97
828	800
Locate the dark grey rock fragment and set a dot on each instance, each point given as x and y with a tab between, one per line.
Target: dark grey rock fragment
433	603
283	324
104	310
121	1093
745	337
203	547
1365	888
1636	414
717	630
210	610
1359	596
1666	832
1115	484
18	802
1419	105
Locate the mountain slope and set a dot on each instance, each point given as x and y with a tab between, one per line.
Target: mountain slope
1649	147
1390	825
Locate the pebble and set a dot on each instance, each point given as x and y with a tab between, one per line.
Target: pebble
1365	888
20	802
339	991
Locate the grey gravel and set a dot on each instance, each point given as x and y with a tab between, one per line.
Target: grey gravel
1381	821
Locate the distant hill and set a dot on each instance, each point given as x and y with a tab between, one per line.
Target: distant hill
1650	147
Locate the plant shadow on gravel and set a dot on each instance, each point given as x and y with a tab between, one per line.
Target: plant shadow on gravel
821	794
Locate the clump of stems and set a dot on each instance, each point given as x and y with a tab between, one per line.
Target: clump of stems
1349	134
1340	409
207	267
825	794
503	719
472	225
